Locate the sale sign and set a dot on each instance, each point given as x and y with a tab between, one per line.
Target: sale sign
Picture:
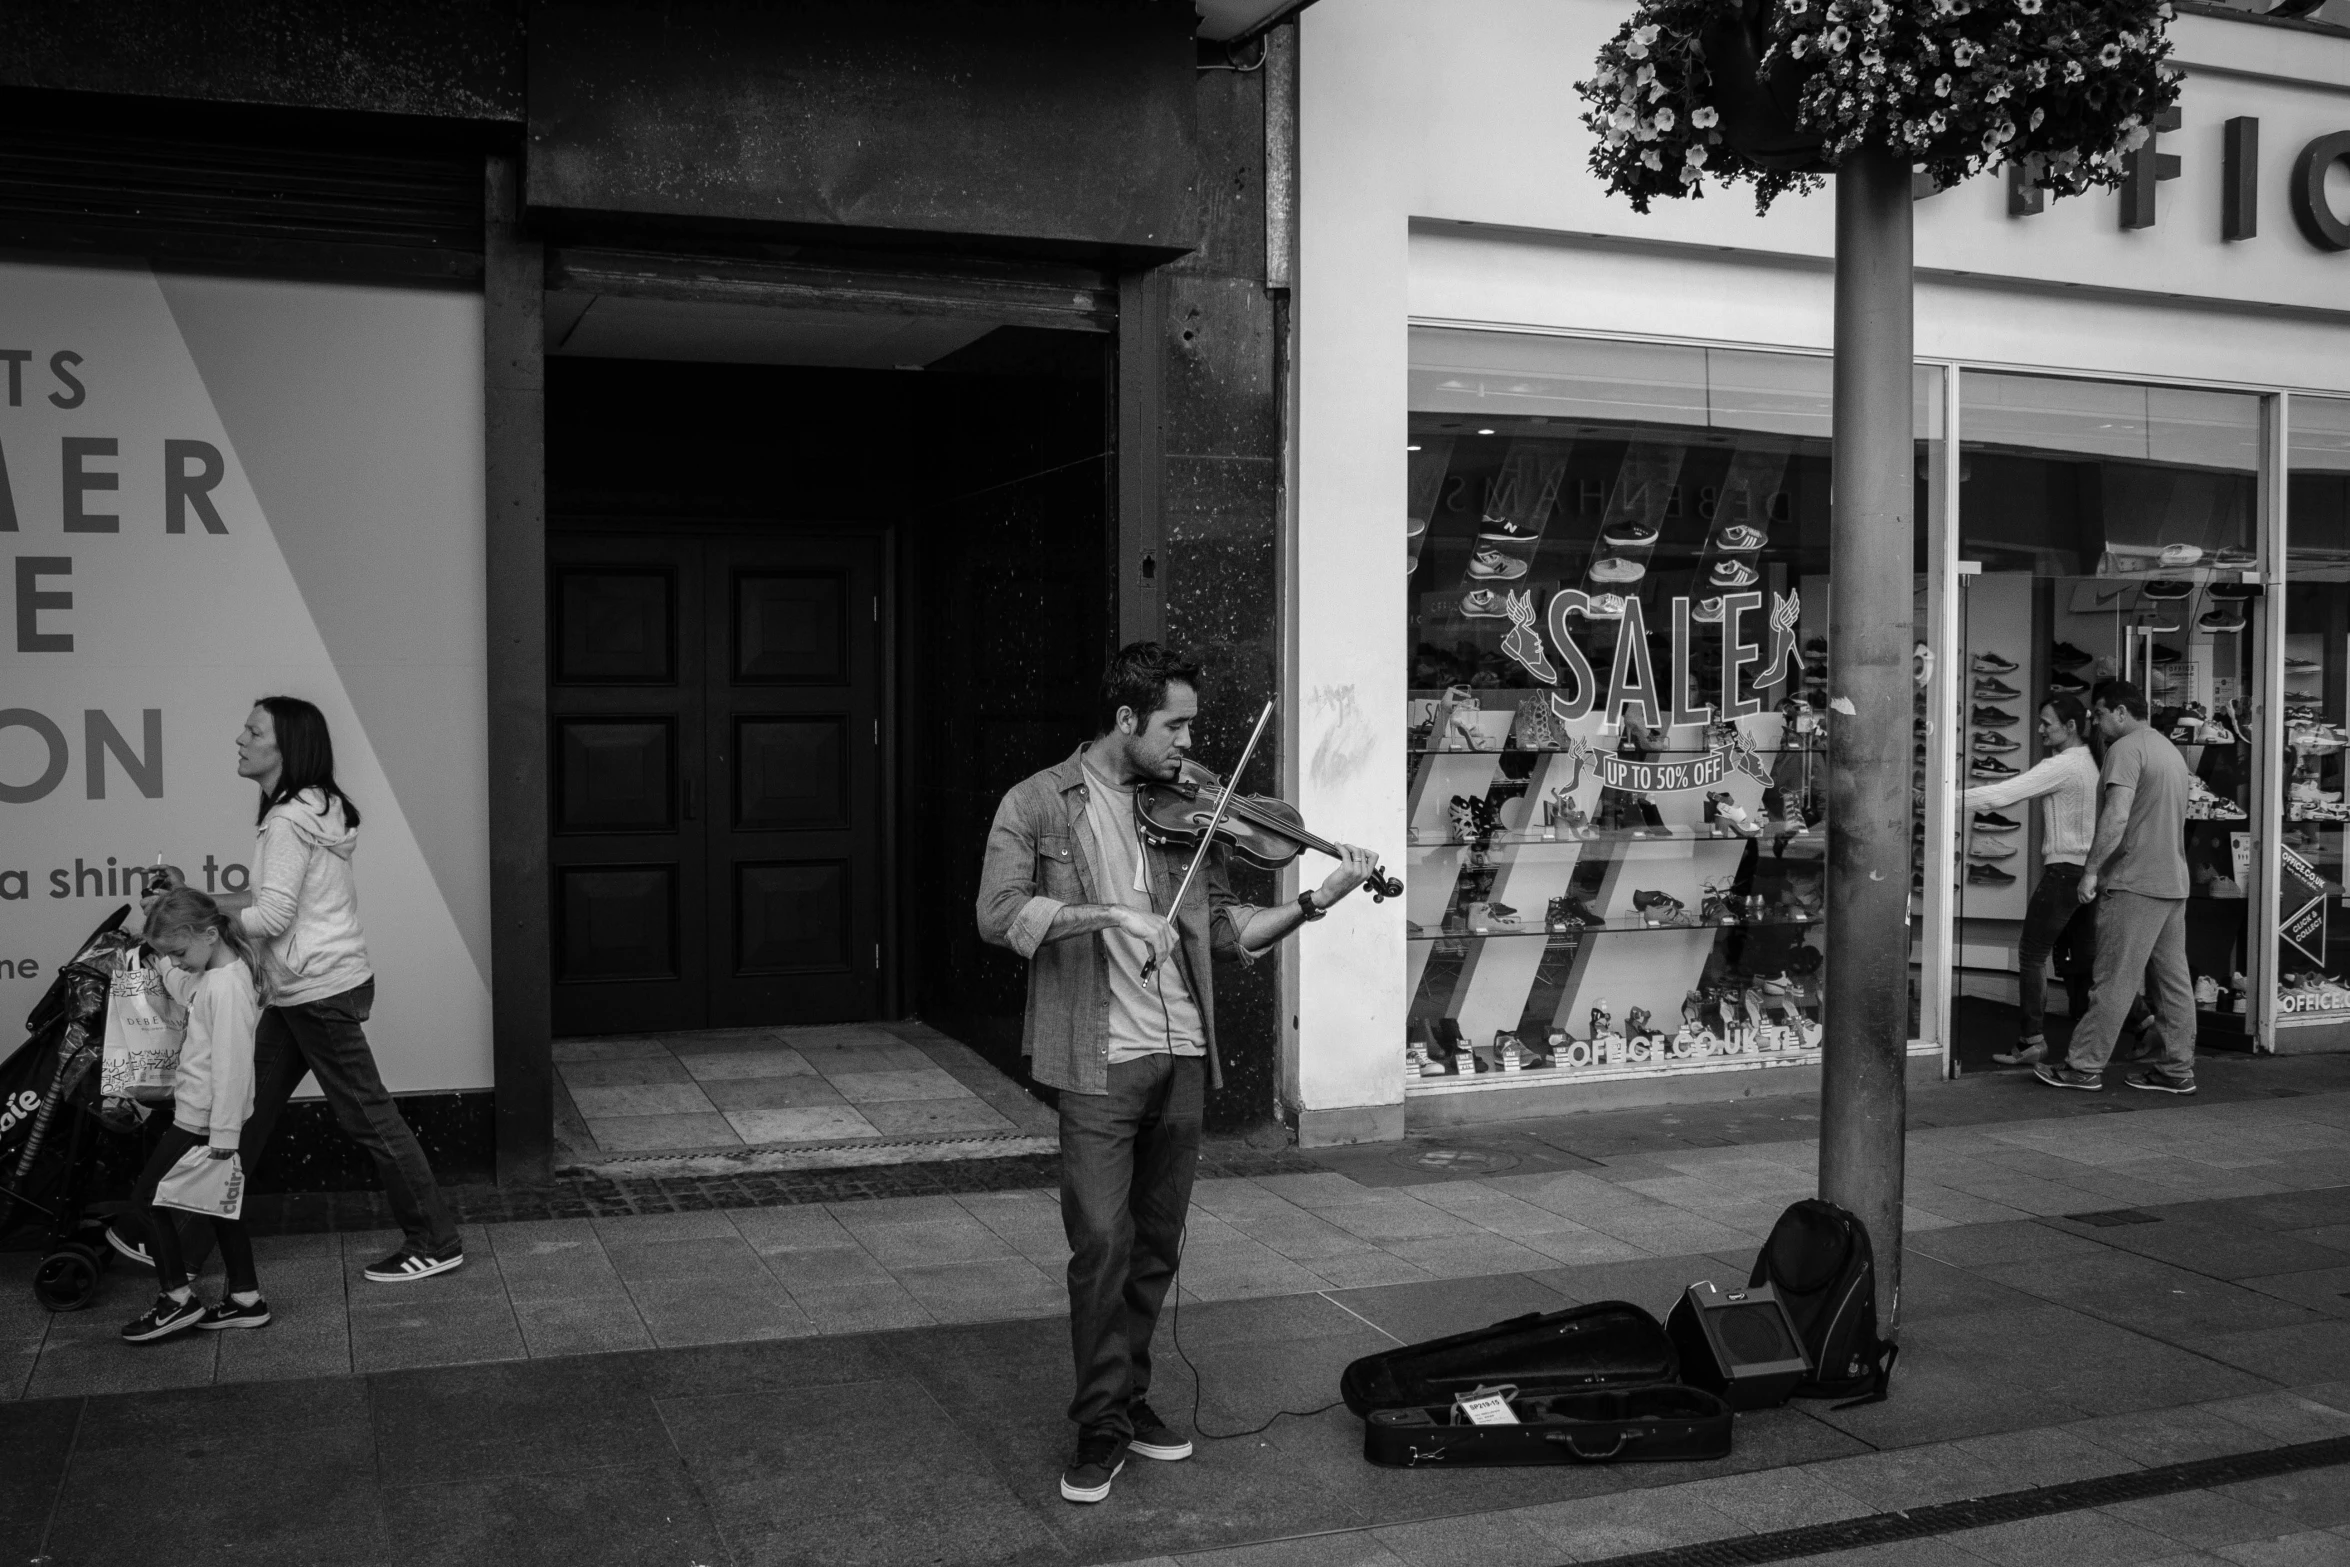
217	489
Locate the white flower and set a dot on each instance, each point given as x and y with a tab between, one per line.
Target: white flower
1645	35
1651	159
1622	119
2135	136
1837	39
1656	90
1942	85
2037	116
1936	123
1797	7
2028	7
1998	94
1705	118
1636	50
2073	71
2110	56
1664	119
1800	46
1695	157
1963	52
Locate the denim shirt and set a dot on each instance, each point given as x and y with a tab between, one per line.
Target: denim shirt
1039	859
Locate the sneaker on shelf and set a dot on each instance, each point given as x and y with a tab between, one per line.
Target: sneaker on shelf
2233	559
1990	849
2165	654
228	1314
2215	732
2066	1077
411	1262
2066	656
1483	604
2158	1082
1992	821
1501	914
1099	1457
2206	992
1740	538
1990	767
166	1317
1490	564
1733	574
2181	554
1607	606
1492	527
1631	534
1153	1437
1992	740
1981	875
1993	717
2066	685
2166	588
1986	685
1660	908
1707	611
1617	569
2220	620
1464	819
2234	592
1994	664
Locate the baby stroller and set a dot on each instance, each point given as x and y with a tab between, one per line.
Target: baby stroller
56	1149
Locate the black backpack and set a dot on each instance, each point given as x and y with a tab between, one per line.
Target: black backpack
1819	1262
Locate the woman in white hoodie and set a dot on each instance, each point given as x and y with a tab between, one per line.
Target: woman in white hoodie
304	910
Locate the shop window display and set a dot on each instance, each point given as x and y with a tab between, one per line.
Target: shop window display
2113	528
2313	938
1618	645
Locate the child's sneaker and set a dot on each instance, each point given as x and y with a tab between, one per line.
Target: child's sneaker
163	1319
228	1314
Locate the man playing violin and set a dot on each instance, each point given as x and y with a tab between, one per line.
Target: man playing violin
1122	1021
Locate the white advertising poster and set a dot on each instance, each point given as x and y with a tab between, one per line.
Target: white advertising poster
212	490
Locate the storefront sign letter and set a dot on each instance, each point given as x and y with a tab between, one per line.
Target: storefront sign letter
51	736
144	769
2325	228
1684	711
1566	602
1737	653
76	450
1632	682
182	489
31	600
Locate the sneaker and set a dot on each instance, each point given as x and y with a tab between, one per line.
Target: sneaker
2165	588
2219	620
1492	527
1624	535
1981	875
1733	574
2232	591
1741	539
1606	606
2181	554
1992	740
1483	604
163	1319
1707	611
1490	563
1153	1437
228	1314
2066	685
2066	656
2233	557
1993	717
1992	821
1100	1455
2022	1054
2164	654
409	1263
2206	992
1994	664
123	1248
2066	1077
1985	685
2155	1082
1615	568
1991	849
1990	767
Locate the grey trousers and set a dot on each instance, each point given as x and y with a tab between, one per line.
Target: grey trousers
2139	936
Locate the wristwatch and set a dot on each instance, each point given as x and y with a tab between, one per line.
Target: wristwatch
1305	901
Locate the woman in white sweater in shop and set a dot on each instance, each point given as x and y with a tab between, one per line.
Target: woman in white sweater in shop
2064	781
304	911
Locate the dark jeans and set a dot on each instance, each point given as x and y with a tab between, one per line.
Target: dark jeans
236	1247
2056	922
1127	1161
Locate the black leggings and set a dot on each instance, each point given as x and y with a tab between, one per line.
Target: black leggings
163	1241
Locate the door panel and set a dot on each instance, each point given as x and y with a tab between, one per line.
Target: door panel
629	847
795	770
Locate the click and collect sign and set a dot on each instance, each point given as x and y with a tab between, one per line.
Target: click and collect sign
216	489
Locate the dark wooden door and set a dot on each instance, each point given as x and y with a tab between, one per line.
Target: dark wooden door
628	851
793	727
716	715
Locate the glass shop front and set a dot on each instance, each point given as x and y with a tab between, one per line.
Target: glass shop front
1618	713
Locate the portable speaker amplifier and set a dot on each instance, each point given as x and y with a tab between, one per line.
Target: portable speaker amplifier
1738	1344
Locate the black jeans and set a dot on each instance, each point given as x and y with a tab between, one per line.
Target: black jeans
1127	1161
236	1247
2056	923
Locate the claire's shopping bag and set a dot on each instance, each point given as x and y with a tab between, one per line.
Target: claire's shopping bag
199	1183
144	1028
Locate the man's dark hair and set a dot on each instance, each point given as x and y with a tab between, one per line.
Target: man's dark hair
306	756
2120	696
2068	710
1138	677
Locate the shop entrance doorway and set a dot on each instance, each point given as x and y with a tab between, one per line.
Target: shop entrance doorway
716	716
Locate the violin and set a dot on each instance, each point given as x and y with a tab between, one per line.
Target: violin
1261	830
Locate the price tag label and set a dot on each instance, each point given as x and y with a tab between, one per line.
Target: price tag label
1488	1409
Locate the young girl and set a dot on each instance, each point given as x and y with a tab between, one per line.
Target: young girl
210	971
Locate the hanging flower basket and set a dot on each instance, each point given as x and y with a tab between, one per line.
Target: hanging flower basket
1777	92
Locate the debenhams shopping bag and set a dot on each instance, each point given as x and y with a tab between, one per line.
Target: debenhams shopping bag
144	1028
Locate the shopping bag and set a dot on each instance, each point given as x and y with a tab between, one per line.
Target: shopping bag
144	1028
202	1184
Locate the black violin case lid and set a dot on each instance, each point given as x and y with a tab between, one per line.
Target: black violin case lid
1595	1384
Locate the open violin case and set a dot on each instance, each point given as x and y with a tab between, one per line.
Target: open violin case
1589	1385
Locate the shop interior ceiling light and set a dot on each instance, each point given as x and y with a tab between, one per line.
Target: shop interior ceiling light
1776	93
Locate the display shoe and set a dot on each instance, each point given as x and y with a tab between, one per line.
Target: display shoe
1707	612
1994	664
1464	819
1524	644
1661	908
1630	535
1636	1023
2164	654
1992	740
1992	821
1483	604
1993	717
1501	914
1733	574
1615	569
1719	906
1492	527
1727	809
2206	992
1739	539
1562	915
2065	656
2220	620
1607	606
2166	588
2181	554
1990	767
2232	558
1981	875
1491	565
2066	685
2231	592
1990	849
1985	685
2215	733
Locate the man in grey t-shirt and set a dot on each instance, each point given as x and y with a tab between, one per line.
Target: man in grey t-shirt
2137	876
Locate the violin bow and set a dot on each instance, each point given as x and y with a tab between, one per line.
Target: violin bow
1216	819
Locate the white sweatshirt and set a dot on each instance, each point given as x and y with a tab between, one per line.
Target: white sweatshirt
213	1094
2066	784
306	901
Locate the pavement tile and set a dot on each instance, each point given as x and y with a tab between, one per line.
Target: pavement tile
2028	1459
1580	1246
2324	1290
1992	1245
36	1441
309	1499
1364	1268
714	1066
960	1238
1414	1313
246	1417
1317	1191
783	1092
983	1290
622	1072
1354	1548
932	1117
1392	1216
802	1227
85	1354
2221	1250
1477	1540
2309	1548
924	1082
423	1331
1467	1256
1257	1272
568	1051
861	1308
2286	1417
2307	1352
595	1325
717	1311
727	1258
612	1517
529	1417
1902	1478
1654	1519
808	1124
2169	1436
832	1267
293	1347
2079	1539
2203	1519
2316	1498
1774	1499
617	1134
682	1097
2151	1296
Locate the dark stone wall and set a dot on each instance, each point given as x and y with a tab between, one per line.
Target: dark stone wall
1042	121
